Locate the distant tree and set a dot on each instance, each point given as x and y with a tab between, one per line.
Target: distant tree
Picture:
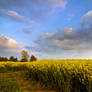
3	59
16	59
24	56
12	58
33	58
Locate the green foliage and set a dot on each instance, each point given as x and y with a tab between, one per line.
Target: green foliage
24	56
33	58
24	60
3	59
12	58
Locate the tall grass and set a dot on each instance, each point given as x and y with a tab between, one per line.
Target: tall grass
64	75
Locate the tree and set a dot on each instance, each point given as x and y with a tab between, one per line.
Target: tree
24	56
16	59
12	58
33	58
3	58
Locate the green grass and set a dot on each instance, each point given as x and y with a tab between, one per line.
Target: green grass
8	83
18	82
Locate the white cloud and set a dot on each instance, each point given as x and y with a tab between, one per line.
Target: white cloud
88	15
9	46
87	18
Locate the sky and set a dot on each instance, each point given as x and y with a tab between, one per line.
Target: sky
48	29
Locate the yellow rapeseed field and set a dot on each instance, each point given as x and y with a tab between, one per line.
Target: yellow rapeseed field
69	75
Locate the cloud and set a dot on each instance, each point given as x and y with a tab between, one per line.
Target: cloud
26	3
87	18
68	42
33	7
9	46
28	30
58	3
15	16
88	15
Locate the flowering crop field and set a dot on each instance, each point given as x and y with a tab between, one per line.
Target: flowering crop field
70	75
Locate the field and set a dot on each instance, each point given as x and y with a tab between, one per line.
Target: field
46	76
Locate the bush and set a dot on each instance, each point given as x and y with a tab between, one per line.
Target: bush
33	58
12	58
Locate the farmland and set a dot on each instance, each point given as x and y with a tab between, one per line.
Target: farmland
70	75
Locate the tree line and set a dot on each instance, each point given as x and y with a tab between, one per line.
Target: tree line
24	57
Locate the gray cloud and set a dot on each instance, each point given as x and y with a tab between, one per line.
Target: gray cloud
74	43
26	3
15	16
87	19
28	30
33	7
9	46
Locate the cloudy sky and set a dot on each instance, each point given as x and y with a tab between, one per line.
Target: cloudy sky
46	28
